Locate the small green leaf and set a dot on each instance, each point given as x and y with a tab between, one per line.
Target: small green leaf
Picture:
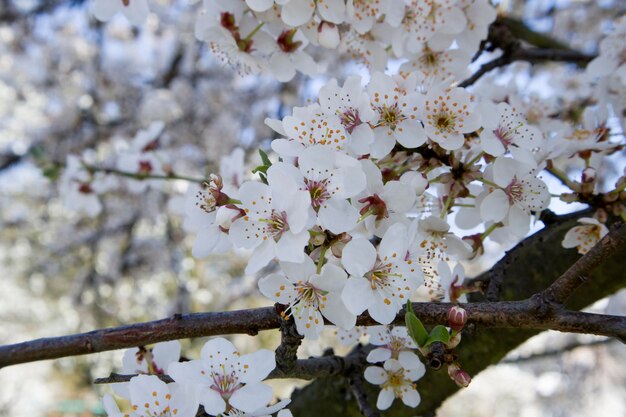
416	329
438	334
265	158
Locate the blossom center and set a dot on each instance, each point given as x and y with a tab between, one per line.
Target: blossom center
318	189
390	115
350	119
276	224
225	384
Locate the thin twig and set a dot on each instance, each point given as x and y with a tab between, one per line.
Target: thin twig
566	284
557	352
140	176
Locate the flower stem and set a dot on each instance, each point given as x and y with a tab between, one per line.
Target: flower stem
320	261
490	229
254	31
476	158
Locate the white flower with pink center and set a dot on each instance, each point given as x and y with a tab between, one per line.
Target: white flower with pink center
396	379
383	204
225	380
504	129
514	193
585	236
447	115
275	223
430	242
352	106
149	396
380	281
392	343
80	188
396	116
423	19
330	178
209	221
438	66
310	295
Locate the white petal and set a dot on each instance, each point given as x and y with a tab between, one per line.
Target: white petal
277	288
290	247
358	257
385	399
357	295
251	397
282	67
379	355
338	216
261	256
166	353
375	375
411	397
297	12
337	313
259	365
495	206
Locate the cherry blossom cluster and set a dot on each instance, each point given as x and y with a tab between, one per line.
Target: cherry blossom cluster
372	195
82	180
225	382
435	37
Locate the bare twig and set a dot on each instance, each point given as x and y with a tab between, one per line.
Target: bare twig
566	284
557	352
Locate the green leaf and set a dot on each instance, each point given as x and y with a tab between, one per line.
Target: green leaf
262	169
438	334
416	329
265	158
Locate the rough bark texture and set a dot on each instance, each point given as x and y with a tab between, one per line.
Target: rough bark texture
526	270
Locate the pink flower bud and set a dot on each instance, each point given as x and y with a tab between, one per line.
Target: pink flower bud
328	35
457	317
459	376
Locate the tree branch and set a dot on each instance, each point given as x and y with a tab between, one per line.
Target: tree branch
566	284
358	390
506	34
505	314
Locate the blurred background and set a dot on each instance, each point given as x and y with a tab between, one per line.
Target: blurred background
69	84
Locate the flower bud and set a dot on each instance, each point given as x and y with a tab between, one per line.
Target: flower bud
328	35
318	237
458	375
457	317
